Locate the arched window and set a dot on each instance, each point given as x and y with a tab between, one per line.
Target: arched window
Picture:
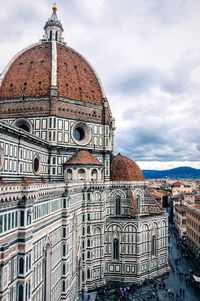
64	232
94	175
138	201
83	244
81	174
69	174
83	256
50	37
63	286
88	274
21	293
23	124
64	269
21	265
153	245
56	38
116	249
88	229
88	254
96	196
64	250
83	231
24	127
88	242
83	276
118	205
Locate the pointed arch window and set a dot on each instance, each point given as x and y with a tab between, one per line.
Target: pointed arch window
118	205
64	269
115	249
63	286
21	265
138	197
64	250
50	36
21	292
83	276
153	246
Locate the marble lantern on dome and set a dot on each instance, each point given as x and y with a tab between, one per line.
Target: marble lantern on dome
72	215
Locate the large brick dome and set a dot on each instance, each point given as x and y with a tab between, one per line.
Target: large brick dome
125	169
30	74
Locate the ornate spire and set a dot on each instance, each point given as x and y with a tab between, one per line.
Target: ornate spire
53	28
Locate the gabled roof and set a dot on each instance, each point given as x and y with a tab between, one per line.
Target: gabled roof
180	208
83	157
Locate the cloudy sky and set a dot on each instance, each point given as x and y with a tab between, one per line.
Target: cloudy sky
147	54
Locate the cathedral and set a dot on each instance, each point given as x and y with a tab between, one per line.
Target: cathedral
73	216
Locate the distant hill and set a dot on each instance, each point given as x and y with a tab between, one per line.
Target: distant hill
175	173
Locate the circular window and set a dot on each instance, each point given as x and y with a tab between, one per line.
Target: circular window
81	133
36	165
1	158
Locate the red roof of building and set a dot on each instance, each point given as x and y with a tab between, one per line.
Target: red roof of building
125	169
83	157
180	208
30	75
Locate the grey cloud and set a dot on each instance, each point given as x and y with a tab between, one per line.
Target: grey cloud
141	81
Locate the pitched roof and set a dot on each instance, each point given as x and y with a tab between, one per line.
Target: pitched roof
83	157
180	208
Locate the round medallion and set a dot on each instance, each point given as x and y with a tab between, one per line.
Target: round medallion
81	133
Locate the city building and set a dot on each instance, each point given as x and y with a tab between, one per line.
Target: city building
180	220
73	216
193	228
180	187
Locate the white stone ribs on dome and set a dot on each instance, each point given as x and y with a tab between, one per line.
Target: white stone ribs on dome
54	64
13	60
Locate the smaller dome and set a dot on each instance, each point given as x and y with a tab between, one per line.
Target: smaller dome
83	157
125	169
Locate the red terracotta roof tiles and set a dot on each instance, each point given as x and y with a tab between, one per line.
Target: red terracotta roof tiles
76	78
83	157
30	74
180	208
125	169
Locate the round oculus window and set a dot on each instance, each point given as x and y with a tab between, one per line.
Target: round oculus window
81	133
36	165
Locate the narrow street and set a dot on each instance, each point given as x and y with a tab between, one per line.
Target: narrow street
175	286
